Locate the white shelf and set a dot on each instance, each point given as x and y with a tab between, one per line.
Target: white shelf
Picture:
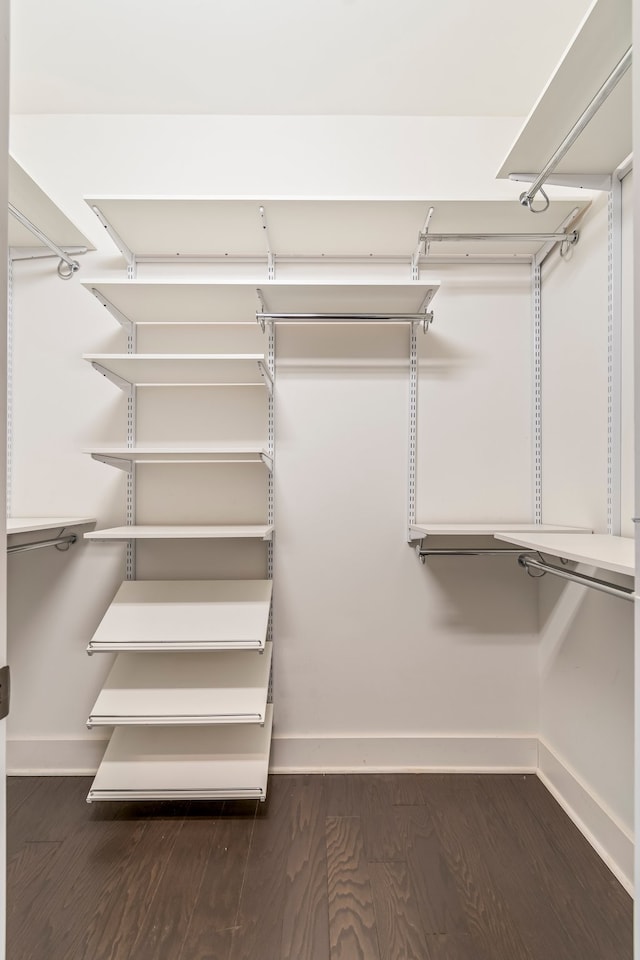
192	689
34	524
202	301
180	615
181	369
600	43
124	457
27	197
191	226
184	532
487	529
596	549
211	762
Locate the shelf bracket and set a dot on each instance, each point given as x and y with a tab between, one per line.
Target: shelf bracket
120	382
128	254
271	263
117	462
266	376
267	460
113	310
422	241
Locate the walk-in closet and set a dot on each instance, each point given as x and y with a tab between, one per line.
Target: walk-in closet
320	482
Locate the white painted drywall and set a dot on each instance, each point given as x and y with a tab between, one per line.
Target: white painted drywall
586	638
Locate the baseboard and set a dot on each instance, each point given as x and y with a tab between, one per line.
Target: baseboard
606	835
51	758
404	754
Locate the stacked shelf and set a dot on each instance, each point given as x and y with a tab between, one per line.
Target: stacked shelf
596	549
420	530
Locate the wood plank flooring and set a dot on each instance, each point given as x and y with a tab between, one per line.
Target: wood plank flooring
335	867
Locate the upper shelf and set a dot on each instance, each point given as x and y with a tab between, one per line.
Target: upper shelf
125	457
255	531
182	369
27	197
600	43
33	524
598	549
214	227
487	529
201	301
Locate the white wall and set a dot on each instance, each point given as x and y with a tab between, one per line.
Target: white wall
586	638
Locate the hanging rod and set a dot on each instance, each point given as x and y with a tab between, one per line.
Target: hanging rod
572	237
39	544
527	198
612	589
345	317
424	552
73	265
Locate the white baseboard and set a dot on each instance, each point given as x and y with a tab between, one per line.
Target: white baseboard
54	758
404	754
609	838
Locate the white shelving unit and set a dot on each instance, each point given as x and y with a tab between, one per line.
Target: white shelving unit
200	763
231	687
184	532
148	228
599	45
597	549
124	457
420	530
182	615
36	524
137	369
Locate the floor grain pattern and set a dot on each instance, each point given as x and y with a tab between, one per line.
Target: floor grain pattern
335	867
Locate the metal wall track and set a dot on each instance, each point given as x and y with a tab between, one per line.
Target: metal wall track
9	491
614	358
536	301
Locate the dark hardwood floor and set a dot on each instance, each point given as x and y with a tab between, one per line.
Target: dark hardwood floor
336	867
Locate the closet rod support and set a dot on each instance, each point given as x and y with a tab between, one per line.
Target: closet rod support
71	265
529	562
57	542
527	198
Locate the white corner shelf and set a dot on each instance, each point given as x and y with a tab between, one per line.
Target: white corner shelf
124	457
147	690
27	197
596	549
599	44
139	369
179	615
200	301
199	763
35	524
254	531
420	530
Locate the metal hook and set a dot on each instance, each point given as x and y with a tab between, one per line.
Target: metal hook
527	199
71	268
428	320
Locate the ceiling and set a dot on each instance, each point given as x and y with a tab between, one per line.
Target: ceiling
309	57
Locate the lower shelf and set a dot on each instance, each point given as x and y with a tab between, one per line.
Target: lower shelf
192	688
184	532
196	763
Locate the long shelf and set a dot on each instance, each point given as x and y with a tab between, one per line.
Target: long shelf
217	227
184	532
156	689
180	615
420	530
125	457
598	46
182	369
167	763
203	301
596	549
34	524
